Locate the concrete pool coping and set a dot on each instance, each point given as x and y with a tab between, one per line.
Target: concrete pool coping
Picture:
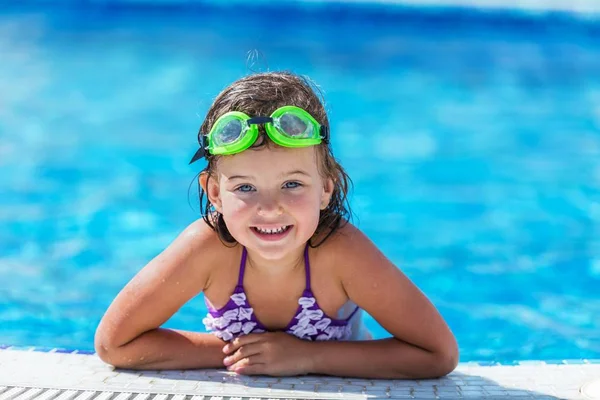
31	373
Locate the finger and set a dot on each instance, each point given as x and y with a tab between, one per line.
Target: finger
248	366
255	369
241	341
244	352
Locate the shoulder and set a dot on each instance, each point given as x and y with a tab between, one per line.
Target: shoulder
197	247
197	239
351	254
347	242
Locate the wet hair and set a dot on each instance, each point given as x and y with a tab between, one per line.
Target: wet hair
259	95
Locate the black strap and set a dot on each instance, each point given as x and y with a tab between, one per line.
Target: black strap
198	155
325	133
259	120
201	152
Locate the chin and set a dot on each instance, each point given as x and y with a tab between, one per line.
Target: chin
272	254
273	248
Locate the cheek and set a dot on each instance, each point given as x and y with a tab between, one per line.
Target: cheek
307	204
234	205
236	213
306	211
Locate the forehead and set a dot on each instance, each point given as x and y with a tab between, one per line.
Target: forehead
269	160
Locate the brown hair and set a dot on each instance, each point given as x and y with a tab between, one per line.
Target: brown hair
260	95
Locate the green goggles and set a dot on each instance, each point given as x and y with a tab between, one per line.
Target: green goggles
234	132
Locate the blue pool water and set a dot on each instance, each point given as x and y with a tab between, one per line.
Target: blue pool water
482	179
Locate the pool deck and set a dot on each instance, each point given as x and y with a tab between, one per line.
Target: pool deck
65	374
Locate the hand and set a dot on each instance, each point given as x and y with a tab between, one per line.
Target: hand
271	353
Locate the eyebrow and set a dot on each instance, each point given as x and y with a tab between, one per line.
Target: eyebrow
295	172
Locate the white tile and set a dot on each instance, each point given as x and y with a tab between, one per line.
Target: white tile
447	390
48	394
519	393
28	394
141	396
186	385
161	386
67	395
476	394
282	386
133	387
354	389
11	393
123	396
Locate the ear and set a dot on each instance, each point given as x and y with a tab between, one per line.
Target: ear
210	185
328	186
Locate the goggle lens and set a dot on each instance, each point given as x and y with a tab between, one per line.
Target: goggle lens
229	132
294	126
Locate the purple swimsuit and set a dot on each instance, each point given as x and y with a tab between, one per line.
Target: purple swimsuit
310	322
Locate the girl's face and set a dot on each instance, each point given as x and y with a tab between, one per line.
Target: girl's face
270	197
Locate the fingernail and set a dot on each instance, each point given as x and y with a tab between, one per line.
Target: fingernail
226	349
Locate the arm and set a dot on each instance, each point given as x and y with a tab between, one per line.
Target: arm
129	336
282	354
422	347
383	359
165	349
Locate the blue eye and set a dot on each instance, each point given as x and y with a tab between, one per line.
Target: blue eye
292	185
244	188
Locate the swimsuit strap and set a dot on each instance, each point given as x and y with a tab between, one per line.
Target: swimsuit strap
349	317
307	267
242	267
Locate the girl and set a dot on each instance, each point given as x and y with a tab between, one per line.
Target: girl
285	276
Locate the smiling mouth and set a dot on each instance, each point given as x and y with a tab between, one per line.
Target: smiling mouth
272	231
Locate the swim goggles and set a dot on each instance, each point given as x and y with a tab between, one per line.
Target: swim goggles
234	131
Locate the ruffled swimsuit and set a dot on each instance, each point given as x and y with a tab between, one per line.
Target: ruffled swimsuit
310	322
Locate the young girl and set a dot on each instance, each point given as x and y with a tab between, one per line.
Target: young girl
285	276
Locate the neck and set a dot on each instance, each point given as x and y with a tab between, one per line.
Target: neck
274	267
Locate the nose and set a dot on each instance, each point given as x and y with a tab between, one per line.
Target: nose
269	205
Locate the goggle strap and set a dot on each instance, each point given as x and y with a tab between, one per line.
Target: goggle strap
200	153
325	133
259	120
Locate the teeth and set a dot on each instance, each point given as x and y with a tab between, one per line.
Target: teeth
278	230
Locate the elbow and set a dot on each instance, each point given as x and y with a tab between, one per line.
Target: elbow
433	365
115	354
103	350
444	362
106	350
112	356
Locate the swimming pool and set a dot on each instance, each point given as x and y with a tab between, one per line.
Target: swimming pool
482	181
